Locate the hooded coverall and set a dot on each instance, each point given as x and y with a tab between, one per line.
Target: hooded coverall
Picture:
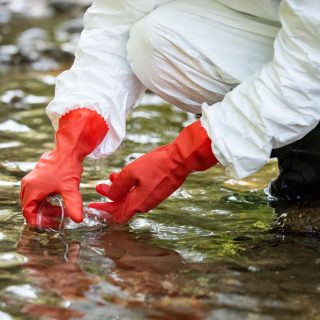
251	67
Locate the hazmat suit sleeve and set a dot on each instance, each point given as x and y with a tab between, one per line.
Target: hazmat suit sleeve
278	105
100	78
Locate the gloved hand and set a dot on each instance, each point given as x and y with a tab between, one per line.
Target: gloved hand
59	171
150	179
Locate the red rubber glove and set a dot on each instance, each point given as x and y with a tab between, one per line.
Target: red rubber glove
150	179
59	171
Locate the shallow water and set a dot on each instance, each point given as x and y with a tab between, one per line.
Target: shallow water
209	252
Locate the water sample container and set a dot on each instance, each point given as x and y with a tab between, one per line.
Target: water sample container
52	217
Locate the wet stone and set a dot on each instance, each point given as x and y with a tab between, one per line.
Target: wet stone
5	316
67	30
13	97
11	260
179	308
300	220
71	7
8	54
29	9
35	49
5	14
13	126
32	43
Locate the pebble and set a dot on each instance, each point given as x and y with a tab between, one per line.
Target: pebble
13	126
35	48
11	260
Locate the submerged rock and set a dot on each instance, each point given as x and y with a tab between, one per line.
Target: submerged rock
32	43
68	34
29	9
68	6
66	31
13	97
8	54
35	50
11	260
5	14
39	9
14	126
300	220
19	99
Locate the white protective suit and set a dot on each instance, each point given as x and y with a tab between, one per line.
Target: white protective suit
252	66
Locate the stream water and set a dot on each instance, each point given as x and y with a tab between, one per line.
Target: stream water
211	251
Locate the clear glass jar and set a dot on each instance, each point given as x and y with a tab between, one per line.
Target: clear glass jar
52	217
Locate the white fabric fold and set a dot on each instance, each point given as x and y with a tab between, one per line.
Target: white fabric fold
279	104
101	78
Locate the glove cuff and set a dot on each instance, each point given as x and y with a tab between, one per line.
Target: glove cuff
80	132
193	148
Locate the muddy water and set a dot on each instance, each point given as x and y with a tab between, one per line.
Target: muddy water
209	252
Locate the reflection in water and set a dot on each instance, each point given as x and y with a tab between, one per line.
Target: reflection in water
138	267
116	269
54	263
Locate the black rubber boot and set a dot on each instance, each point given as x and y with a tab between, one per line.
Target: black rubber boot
299	166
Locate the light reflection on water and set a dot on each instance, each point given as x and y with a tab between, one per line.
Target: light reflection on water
208	252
